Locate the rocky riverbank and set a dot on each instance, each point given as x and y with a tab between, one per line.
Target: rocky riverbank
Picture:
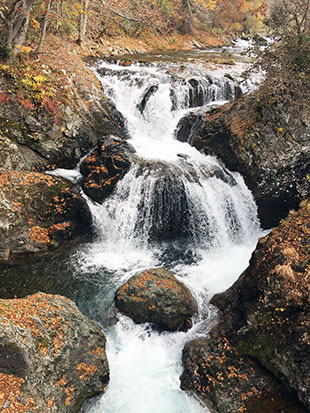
249	361
267	143
263	334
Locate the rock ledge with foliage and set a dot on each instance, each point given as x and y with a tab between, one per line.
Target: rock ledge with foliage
39	212
156	296
267	142
264	321
52	357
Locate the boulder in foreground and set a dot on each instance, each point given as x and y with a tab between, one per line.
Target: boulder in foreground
52	357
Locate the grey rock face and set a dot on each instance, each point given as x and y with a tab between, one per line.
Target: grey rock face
52	357
264	322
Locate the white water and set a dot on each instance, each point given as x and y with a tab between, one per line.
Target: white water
221	231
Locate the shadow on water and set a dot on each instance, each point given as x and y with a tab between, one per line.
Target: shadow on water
55	273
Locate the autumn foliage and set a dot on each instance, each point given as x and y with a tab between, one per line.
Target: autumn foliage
24	24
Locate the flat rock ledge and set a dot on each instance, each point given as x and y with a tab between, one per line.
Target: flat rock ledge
52	357
39	212
156	296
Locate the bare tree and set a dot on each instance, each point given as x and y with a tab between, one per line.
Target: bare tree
15	22
83	21
44	26
188	19
191	8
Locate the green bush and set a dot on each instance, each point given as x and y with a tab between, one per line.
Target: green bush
166	7
5	52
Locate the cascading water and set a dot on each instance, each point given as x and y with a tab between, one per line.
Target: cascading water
175	208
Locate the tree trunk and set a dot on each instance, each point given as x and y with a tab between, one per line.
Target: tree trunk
83	22
16	23
187	21
44	27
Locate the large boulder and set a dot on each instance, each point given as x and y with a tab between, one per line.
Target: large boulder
269	306
228	382
156	296
52	357
39	212
105	166
268	143
37	132
265	314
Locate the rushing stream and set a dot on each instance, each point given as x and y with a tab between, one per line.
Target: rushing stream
175	208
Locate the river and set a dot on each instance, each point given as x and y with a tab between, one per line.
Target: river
205	219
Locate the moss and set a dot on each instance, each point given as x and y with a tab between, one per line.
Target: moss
260	346
42	342
83	398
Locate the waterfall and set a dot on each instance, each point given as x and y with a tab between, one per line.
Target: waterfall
175	208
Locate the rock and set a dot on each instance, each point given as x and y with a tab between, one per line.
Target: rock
146	97
267	311
196	94
260	349
188	125
156	296
169	206
105	166
16	157
260	40
229	76
265	143
39	212
228	382
52	357
56	134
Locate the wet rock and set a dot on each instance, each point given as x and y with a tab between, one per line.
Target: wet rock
156	296
238	92
265	143
52	357
188	126
267	311
39	212
58	134
105	166
229	382
146	97
260	40
169	209
196	94
229	76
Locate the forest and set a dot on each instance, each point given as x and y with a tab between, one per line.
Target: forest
25	23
